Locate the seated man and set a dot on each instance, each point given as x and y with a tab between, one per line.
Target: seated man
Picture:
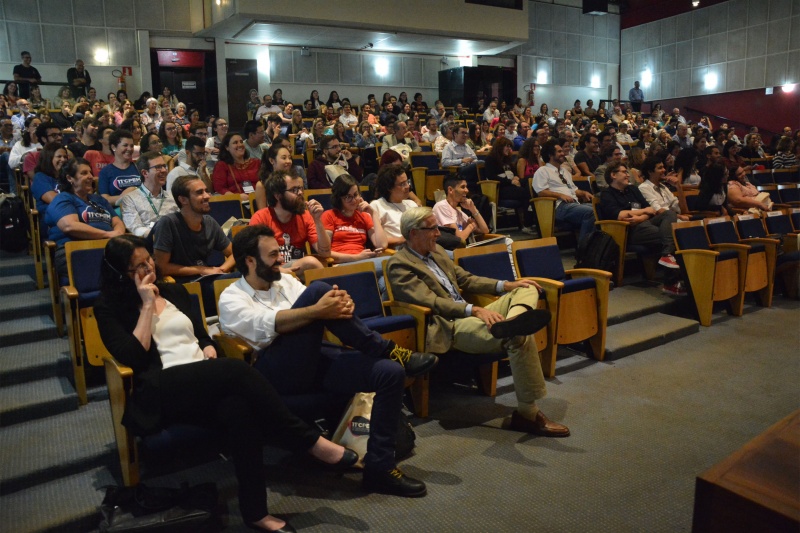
88	140
551	181
332	154
191	162
612	154
458	154
143	207
400	135
648	227
422	274
284	322
183	241
467	221
294	222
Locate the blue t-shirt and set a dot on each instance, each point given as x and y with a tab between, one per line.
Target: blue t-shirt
43	184
112	180
97	213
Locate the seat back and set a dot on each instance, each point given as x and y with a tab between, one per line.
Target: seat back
490	261
196	295
539	258
360	282
785	175
795	216
690	236
83	268
750	226
778	222
721	230
772	189
433	182
761	177
323	196
428	160
691	197
789	192
225	206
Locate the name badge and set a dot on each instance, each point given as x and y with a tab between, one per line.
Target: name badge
248	187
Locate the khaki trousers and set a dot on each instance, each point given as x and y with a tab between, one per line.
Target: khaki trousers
471	335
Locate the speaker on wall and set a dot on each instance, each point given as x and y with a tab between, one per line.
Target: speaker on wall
595	7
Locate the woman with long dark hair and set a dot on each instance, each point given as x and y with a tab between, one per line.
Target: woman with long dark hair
45	182
513	191
278	157
152	327
713	190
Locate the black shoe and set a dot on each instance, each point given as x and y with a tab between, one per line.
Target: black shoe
393	482
526	323
348	459
415	363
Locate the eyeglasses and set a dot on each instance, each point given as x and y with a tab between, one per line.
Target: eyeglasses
145	267
403	184
296	190
199	155
334	146
351	197
425	228
162	166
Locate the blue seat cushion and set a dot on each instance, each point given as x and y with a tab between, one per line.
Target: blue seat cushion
540	262
724	255
578	284
387	324
495	266
86	299
757	247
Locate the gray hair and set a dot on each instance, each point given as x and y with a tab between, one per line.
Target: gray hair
151	99
413	219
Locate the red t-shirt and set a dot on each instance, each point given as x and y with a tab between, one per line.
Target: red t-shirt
98	160
349	233
300	229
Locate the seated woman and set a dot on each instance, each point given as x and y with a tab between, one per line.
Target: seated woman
444	139
181	117
784	157
45	181
366	138
171	140
236	171
76	213
64	95
743	195
713	187
528	161
351	222
153	328
475	140
686	167
513	191
125	112
392	190
345	135
278	157
36	101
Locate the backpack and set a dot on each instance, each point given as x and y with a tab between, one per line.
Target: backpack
599	251
13	224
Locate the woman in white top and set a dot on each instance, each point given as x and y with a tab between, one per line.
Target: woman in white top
392	190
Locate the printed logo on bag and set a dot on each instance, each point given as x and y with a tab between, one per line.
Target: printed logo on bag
359	426
123	182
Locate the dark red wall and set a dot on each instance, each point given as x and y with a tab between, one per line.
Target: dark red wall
768	112
643	11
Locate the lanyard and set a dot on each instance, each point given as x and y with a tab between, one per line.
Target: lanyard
152	205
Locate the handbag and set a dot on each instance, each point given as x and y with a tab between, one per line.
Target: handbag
353	429
143	508
448	239
334	170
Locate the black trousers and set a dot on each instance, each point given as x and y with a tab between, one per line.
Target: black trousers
230	397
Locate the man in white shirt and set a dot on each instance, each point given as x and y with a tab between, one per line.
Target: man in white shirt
284	321
143	207
267	109
554	118
18	120
551	181
458	154
676	113
347	117
491	112
433	132
623	136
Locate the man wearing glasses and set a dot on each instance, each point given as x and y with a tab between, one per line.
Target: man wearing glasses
422	274
142	208
458	154
294	222
332	154
191	162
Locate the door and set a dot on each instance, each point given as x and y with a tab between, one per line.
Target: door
242	75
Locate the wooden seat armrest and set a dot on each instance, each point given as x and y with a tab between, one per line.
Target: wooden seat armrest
619	223
70	292
168	279
326	261
234	348
412	307
420	314
588	272
729	246
485	236
121	370
387	252
760	240
697	252
546	283
616	228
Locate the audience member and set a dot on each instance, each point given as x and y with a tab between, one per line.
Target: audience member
25	75
235	172
331	154
148	203
121	177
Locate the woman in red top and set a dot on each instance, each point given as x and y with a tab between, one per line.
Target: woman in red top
350	222
235	172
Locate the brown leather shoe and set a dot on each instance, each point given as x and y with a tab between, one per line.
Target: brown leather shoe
541	425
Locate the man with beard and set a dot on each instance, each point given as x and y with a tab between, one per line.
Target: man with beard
88	140
193	162
294	222
184	241
284	322
143	207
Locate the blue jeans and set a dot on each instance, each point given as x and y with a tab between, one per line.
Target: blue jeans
577	216
300	362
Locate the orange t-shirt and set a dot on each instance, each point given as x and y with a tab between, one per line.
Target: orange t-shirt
349	233
98	160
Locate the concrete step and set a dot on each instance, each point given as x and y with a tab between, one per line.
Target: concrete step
34	303
36	399
16	283
67	504
646	332
17	264
57	446
633	301
29	329
34	361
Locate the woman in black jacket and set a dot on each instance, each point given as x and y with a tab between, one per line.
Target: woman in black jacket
153	328
512	192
